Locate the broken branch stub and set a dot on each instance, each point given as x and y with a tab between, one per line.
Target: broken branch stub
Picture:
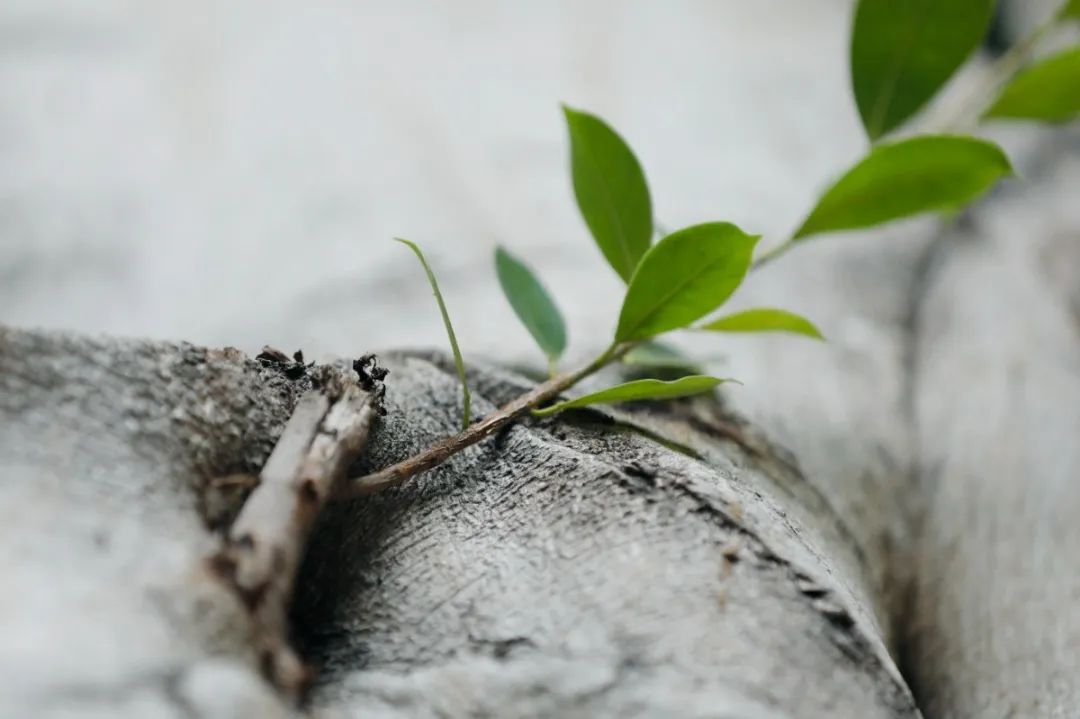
325	434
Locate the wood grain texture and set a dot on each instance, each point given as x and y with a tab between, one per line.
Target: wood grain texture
907	489
583	566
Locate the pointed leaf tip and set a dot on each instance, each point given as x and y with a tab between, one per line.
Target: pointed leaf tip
1048	90
459	362
903	53
531	303
764	319
926	173
638	389
610	189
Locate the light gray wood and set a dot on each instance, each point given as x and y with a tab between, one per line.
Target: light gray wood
573	567
108	455
993	625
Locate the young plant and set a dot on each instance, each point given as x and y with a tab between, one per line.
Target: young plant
902	55
459	363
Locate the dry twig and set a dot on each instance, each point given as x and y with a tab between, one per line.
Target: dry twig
262	553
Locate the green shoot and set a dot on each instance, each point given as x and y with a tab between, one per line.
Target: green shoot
466	399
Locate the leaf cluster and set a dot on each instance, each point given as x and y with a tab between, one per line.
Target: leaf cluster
902	54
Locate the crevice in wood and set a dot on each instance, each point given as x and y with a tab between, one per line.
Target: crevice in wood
588	416
972	249
900	578
264	547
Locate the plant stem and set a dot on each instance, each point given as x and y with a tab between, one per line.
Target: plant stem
1000	72
459	363
772	254
438	453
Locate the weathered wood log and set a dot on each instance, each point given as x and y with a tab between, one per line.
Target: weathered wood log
587	564
600	563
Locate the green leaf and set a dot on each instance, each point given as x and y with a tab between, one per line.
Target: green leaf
532	304
611	191
466	398
1070	10
920	174
1047	90
638	389
904	51
684	277
765	319
659	356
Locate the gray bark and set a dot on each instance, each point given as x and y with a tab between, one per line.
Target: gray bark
570	567
576	567
108	455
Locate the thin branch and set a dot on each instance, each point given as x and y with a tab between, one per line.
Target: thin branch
459	363
262	552
970	110
1001	70
437	454
772	254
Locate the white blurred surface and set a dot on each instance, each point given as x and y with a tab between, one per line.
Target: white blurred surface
232	172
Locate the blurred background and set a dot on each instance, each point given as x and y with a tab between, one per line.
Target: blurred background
233	172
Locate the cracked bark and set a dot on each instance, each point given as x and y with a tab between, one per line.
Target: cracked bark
261	555
420	600
543	574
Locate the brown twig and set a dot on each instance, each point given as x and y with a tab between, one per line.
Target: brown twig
437	454
262	553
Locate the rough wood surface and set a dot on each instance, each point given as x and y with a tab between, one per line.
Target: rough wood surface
569	566
582	566
108	450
